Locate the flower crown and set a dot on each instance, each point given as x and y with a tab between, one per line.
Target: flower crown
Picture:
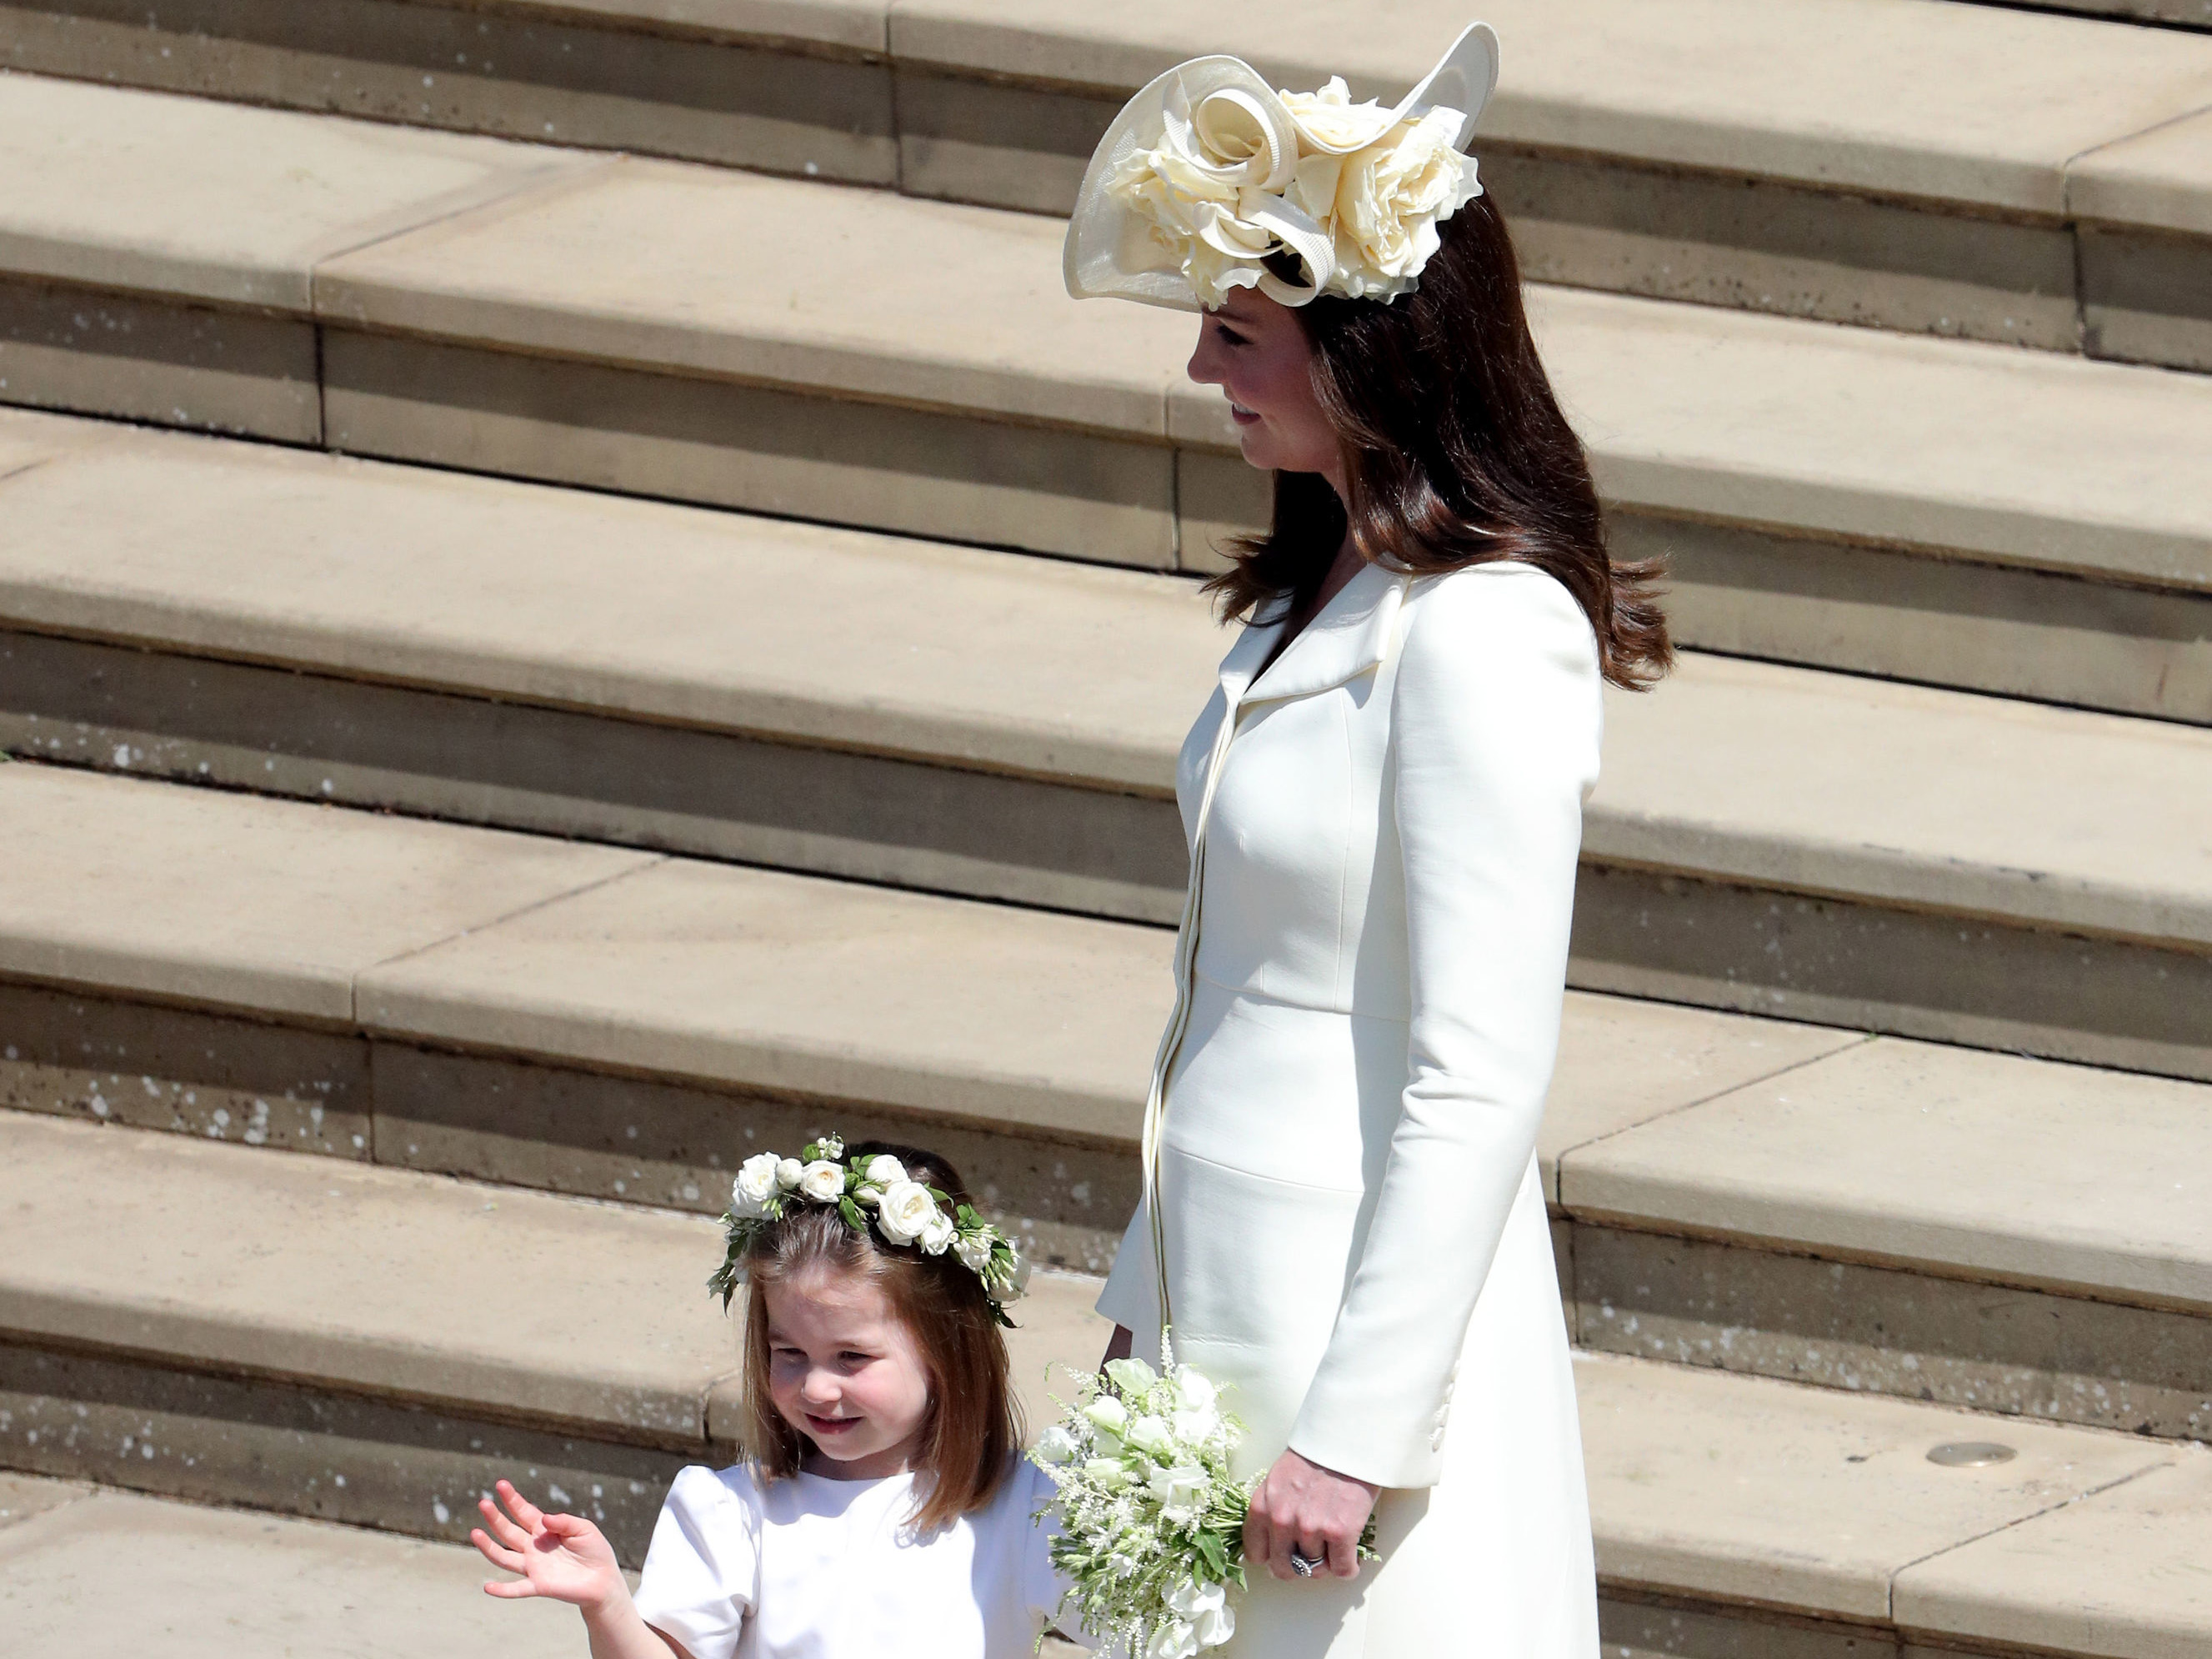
1209	178
906	1213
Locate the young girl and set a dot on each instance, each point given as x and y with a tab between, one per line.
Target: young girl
885	1506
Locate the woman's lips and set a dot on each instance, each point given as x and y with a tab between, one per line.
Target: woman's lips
1241	415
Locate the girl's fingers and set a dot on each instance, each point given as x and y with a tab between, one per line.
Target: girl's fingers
523	1510
511	1559
504	1529
510	1589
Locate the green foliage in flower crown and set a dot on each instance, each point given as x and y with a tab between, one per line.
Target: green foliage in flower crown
917	1215
1151	1520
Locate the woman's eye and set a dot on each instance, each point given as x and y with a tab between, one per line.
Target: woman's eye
1229	336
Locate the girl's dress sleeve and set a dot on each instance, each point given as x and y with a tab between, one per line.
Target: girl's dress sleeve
1496	718
701	1573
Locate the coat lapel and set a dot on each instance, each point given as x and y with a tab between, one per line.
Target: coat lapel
1352	634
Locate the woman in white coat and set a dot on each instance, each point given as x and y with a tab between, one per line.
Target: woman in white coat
1342	1219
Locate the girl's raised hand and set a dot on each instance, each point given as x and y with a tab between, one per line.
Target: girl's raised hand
563	1557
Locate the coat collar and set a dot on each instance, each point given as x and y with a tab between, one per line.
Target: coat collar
1352	634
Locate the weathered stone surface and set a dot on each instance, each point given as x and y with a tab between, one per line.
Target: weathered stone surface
787	451
611	76
641	1142
930	304
782	984
95	352
1882	788
1642	932
22	1496
154	1068
248	903
1908	1331
1755	1491
2119	1575
1993	1166
596	776
1622	1063
149	1426
221	1584
2048	636
370	1280
200	201
1894	99
497	589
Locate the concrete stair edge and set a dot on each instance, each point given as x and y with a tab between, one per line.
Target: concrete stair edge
1663	1527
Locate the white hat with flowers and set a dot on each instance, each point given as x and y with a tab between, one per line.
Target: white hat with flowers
1209	177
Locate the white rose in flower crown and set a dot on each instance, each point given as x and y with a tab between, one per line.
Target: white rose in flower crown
1056	1445
937	1238
905	1211
787	1173
1389	197
1213	1621
974	1250
823	1182
756	1183
884	1170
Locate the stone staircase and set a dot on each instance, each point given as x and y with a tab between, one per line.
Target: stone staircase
488	863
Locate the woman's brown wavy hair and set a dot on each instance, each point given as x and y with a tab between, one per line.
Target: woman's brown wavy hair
1455	452
974	1423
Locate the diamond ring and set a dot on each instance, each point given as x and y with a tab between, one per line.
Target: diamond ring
1303	1567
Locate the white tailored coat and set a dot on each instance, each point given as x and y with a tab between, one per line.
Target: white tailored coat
1384	826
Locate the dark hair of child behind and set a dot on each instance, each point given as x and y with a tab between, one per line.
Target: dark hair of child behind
974	1426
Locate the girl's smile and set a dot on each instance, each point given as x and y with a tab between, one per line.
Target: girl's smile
845	1371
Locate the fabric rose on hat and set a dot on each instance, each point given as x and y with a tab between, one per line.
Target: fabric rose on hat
1389	197
1328	119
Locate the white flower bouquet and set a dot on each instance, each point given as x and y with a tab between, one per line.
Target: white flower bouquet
1151	1520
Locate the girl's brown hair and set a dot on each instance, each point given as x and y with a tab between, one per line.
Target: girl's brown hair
975	1424
1455	453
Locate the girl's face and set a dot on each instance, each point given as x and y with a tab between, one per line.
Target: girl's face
846	1373
1255	349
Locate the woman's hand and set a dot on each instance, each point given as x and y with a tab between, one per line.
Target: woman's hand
563	1557
1316	1511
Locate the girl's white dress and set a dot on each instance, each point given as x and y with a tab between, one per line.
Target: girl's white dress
812	1568
1384	828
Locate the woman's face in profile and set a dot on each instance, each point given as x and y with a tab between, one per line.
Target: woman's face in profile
1255	351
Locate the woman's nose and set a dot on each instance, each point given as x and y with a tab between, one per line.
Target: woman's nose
1202	366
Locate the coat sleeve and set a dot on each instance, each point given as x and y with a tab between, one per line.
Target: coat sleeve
1495	722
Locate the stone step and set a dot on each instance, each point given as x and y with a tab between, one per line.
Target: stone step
347	1343
1649	149
2002	521
88	1570
394	995
1766	837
